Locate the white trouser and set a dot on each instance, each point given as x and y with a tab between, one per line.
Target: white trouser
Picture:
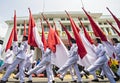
40	70
28	66
118	71
5	65
100	63
12	67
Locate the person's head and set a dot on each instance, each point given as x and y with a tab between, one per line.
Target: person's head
31	48
25	38
114	41
1	42
68	47
73	40
96	41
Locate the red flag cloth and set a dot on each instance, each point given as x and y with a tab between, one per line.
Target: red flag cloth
115	18
114	28
15	27
86	33
9	43
68	34
24	33
31	39
81	49
43	39
97	31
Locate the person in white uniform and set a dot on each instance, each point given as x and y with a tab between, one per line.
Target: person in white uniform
72	61
8	59
28	63
116	44
101	61
20	53
45	62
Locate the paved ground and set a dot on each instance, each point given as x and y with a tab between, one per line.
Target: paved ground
57	80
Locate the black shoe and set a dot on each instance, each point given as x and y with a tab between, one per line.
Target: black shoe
53	81
61	78
26	74
116	79
30	81
95	80
2	81
15	78
74	81
101	77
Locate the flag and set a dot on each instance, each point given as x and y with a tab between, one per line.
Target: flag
43	37
9	43
68	34
34	38
109	47
24	33
115	18
97	31
81	49
52	40
15	27
114	28
86	33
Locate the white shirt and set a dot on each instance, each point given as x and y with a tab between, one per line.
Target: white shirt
0	49
20	51
117	48
9	56
30	56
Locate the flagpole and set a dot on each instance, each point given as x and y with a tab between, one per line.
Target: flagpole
82	4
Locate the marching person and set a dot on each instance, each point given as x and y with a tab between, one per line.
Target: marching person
101	61
45	62
20	53
72	61
28	63
116	44
8	59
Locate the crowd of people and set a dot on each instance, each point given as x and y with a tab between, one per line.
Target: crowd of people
18	57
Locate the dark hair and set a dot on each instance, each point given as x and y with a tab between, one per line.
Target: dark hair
26	37
1	41
68	47
115	40
11	48
31	48
98	40
73	40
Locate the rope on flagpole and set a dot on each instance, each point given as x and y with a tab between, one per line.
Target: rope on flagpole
82	4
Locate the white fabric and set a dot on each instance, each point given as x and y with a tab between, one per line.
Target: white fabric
61	55
29	57
0	49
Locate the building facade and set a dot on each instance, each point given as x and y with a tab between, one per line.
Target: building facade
99	18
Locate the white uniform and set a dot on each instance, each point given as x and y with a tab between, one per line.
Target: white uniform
28	63
72	61
117	48
0	50
45	62
8	60
101	63
20	57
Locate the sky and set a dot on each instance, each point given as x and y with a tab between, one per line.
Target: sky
7	7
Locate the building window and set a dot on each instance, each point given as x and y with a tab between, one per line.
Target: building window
50	19
46	28
22	30
68	19
108	30
18	24
100	23
86	26
85	18
105	23
62	19
27	31
22	24
68	27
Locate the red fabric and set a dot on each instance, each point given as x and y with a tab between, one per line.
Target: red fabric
97	31
9	43
43	39
86	33
81	49
115	18
114	28
24	34
68	34
15	27
31	39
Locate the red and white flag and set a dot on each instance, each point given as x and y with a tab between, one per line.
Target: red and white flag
109	47
15	27
115	18
114	28
34	38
